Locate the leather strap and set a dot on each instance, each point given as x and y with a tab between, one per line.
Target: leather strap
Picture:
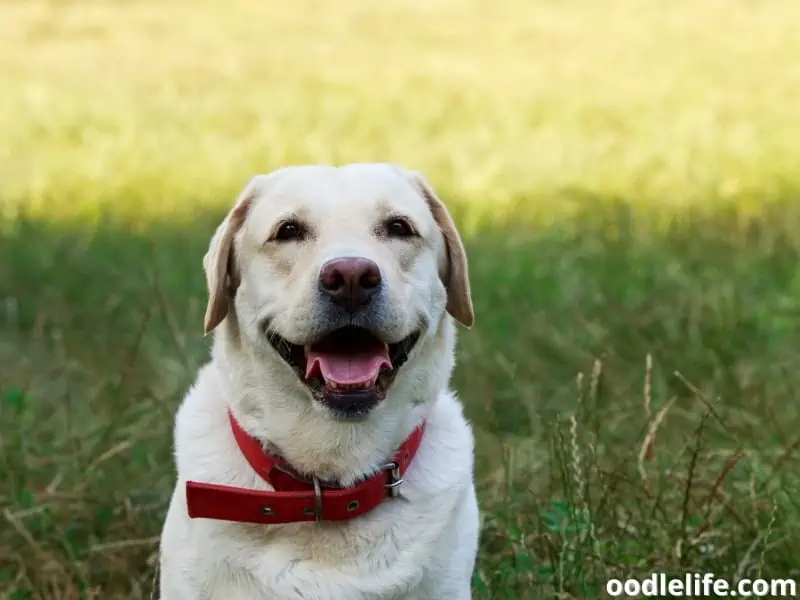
295	499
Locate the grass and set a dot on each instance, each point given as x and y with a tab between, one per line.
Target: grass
625	175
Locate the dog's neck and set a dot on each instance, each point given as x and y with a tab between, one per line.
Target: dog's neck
272	406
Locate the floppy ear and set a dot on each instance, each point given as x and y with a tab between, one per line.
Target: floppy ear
222	277
456	278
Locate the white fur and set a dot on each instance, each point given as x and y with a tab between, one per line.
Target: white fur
421	546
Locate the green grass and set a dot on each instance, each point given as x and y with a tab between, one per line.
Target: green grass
626	176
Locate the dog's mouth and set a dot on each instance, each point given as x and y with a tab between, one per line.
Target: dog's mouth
349	370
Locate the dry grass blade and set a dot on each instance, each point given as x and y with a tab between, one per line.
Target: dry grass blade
646	451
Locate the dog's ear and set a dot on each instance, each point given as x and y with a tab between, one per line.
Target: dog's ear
219	263
456	277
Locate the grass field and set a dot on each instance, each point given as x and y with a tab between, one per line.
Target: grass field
625	172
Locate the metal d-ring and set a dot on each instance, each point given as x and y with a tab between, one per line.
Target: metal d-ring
394	480
317	500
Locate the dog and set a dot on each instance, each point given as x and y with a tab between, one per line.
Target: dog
320	452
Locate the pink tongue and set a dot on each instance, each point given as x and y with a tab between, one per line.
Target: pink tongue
348	369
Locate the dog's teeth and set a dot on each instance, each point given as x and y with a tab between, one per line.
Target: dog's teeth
335	386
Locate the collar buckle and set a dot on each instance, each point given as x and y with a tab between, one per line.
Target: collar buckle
317	500
393	478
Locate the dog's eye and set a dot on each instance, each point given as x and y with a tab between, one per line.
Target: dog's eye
399	228
290	230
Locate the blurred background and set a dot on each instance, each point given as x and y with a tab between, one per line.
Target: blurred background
625	174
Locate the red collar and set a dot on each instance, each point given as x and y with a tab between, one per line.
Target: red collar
295	499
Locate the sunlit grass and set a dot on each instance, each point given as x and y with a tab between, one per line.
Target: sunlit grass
174	109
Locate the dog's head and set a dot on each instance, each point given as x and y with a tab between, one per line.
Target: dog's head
342	275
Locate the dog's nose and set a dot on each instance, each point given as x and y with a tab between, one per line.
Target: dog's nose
350	282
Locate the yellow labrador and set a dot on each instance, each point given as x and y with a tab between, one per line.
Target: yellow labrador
320	453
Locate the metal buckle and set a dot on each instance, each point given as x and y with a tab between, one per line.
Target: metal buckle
317	500
395	481
317	510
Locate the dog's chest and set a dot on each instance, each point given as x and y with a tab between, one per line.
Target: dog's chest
330	562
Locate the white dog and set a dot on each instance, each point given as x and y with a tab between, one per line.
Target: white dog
320	454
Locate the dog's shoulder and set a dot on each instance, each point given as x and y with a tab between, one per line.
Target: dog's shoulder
204	448
444	462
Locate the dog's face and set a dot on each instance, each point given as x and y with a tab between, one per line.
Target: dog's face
338	273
